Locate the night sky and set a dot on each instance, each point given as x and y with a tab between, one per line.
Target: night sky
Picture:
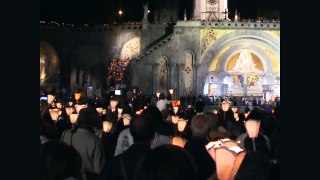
106	11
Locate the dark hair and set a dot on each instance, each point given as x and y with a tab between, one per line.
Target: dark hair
87	118
162	96
155	114
58	160
200	125
255	114
199	106
142	128
166	162
255	166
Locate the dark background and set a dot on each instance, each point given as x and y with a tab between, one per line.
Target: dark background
106	11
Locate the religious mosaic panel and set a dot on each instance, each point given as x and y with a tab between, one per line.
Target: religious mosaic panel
209	36
131	49
188	73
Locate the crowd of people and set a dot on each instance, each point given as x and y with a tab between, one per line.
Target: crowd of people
133	138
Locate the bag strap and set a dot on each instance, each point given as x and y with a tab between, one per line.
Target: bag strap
123	169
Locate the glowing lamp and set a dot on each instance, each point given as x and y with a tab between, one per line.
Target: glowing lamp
175	110
175	119
50	98
107	126
171	91
158	94
224	159
237	163
77	96
175	103
70	103
73	118
69	110
54	113
99	110
181	124
252	127
178	141
79	107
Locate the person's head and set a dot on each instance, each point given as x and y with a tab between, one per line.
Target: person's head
166	162
199	106
162	96
225	105
200	125
255	166
142	129
59	161
155	113
87	118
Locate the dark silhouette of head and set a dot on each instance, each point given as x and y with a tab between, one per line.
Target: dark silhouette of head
87	119
59	161
255	166
162	96
142	129
200	125
199	106
166	162
155	113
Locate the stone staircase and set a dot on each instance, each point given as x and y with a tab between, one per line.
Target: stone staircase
155	45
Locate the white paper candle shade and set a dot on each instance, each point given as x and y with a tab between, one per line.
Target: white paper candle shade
73	118
181	124
126	121
224	162
50	98
69	110
234	109
175	119
237	164
70	103
252	127
77	96
54	113
175	110
99	110
178	141
107	126
79	107
171	91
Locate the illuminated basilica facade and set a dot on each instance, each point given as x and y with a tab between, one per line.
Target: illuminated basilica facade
200	56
